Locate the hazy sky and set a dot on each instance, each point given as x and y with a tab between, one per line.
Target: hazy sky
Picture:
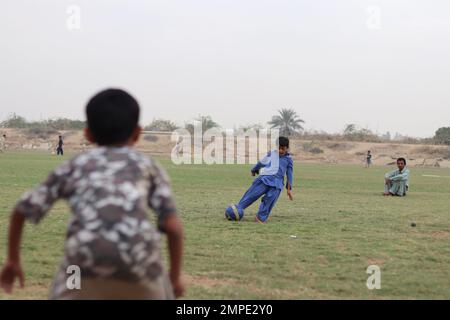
384	65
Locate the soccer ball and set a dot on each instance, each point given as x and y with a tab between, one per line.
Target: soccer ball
234	213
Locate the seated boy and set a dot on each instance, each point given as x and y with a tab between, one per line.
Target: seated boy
110	190
397	181
270	182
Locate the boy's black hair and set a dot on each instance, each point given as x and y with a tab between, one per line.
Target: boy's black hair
112	115
402	159
283	142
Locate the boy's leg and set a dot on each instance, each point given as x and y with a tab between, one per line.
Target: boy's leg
398	188
256	190
389	188
393	188
386	188
267	203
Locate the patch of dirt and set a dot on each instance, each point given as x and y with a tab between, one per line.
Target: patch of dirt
441	234
376	262
207	282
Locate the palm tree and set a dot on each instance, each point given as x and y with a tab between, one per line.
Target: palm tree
287	121
206	123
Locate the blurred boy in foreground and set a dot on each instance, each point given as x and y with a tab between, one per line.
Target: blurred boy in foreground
110	190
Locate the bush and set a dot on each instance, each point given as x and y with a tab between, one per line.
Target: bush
316	150
65	124
442	135
14	121
339	146
18	122
442	152
321	136
161	125
41	133
150	137
309	147
354	133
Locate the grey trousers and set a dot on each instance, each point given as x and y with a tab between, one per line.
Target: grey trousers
397	188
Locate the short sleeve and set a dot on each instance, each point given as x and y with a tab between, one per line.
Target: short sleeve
160	195
34	204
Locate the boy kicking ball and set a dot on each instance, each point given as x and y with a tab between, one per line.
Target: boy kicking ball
110	190
268	185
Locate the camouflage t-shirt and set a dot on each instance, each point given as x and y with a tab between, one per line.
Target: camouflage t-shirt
110	191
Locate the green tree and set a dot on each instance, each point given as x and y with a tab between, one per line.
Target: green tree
350	129
14	121
287	121
442	135
63	124
161	125
354	133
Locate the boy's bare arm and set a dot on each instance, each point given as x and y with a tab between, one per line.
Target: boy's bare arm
174	230
12	267
289	192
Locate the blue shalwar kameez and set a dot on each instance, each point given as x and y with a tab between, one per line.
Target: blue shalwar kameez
269	183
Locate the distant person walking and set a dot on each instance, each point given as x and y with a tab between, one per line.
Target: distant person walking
59	149
178	149
368	159
2	143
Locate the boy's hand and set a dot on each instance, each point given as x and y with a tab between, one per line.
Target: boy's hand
253	173
289	193
177	285
8	275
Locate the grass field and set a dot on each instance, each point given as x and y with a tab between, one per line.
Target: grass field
341	221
